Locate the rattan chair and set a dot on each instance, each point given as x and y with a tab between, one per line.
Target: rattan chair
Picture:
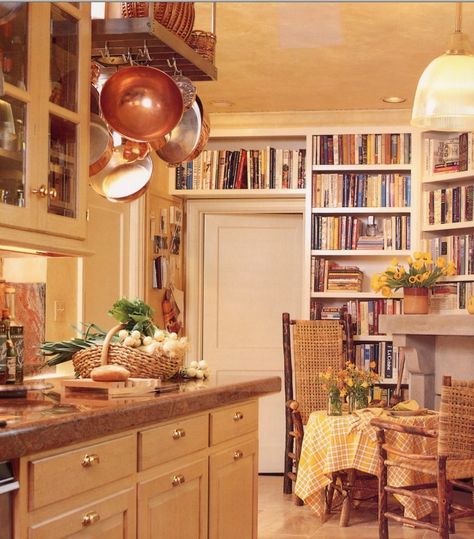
309	347
454	460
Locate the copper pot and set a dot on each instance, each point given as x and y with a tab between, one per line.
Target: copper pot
141	103
101	145
122	181
188	139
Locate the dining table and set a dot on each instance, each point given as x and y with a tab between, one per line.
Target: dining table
349	442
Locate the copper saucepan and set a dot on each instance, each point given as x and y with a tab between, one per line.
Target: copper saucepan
121	180
188	139
101	145
141	103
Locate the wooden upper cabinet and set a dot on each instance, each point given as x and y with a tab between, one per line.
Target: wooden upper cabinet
44	119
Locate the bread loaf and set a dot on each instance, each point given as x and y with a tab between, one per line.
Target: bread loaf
110	373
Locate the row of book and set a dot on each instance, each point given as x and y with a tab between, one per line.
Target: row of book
384	355
457	248
447	296
362	149
364	313
329	276
270	168
361	190
346	232
452	153
450	205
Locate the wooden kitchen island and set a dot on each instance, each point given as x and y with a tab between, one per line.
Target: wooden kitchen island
181	464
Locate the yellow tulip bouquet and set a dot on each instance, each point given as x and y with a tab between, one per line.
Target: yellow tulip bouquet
422	272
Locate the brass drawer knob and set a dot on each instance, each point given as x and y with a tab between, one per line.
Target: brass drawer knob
89	460
43	191
238	454
238	416
177	480
90	518
179	433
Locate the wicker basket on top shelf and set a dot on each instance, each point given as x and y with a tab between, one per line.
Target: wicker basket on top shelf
177	17
204	43
140	364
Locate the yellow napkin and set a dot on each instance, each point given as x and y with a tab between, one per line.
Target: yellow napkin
406	406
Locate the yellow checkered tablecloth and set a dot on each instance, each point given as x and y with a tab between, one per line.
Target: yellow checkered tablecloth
333	443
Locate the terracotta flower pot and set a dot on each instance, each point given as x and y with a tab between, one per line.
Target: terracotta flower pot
415	301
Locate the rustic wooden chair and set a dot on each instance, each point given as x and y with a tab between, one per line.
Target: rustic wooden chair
313	346
454	460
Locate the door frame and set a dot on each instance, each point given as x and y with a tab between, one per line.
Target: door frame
196	211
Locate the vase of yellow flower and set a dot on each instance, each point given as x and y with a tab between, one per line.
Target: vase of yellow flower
333	381
422	273
358	382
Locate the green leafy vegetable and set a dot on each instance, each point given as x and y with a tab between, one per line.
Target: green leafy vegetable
136	314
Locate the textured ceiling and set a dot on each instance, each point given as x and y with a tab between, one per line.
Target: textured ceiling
292	56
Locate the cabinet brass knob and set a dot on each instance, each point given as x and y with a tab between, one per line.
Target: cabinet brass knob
53	193
90	518
177	480
238	416
89	460
238	454
179	433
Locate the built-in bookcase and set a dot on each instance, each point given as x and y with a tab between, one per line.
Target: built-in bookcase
447	218
361	207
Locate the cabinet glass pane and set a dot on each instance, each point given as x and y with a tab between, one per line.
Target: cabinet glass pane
14	46
12	151
62	179
64	59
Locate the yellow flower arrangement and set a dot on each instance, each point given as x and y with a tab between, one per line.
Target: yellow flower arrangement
422	272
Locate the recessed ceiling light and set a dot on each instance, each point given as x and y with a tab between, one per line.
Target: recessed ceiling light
394	99
222	104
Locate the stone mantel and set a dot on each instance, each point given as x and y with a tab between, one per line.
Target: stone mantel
418	335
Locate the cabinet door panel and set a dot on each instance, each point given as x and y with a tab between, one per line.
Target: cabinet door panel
233	492
174	504
112	517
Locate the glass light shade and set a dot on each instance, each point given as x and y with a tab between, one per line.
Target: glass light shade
444	99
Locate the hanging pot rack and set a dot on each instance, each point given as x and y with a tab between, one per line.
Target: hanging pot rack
144	41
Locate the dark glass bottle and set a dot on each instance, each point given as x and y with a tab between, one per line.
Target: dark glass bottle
10	349
3	354
17	333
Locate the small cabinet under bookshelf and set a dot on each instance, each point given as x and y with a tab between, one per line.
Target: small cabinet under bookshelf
361	200
242	164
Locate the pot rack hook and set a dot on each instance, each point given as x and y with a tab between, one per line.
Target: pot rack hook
172	65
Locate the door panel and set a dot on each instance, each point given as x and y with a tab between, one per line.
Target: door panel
252	273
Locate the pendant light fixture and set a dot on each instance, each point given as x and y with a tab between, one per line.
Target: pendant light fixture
444	99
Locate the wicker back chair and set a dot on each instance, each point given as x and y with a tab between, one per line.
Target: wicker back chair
454	460
313	346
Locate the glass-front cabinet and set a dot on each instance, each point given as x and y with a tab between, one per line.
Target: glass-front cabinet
44	112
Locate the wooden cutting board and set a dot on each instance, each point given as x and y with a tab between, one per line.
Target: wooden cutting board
133	386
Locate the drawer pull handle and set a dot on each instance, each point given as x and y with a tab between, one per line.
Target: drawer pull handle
177	480
238	416
89	460
90	518
179	433
238	454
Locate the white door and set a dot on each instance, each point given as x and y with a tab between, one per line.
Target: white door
252	273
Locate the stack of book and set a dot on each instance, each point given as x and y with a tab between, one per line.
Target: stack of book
371	242
344	278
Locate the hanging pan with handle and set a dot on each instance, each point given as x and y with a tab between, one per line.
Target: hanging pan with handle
101	145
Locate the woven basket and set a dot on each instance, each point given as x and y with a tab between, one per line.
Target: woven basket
204	43
139	364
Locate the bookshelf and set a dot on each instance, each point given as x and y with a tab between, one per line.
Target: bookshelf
245	163
447	214
361	201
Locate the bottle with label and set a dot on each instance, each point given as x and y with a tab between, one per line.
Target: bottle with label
10	348
17	333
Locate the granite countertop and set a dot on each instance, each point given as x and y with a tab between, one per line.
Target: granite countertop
48	419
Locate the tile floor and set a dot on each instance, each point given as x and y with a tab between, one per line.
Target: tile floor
280	518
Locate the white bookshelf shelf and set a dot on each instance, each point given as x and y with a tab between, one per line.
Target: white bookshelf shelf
372	338
361	168
457	279
449	177
359	252
349	294
239	193
363	211
447	226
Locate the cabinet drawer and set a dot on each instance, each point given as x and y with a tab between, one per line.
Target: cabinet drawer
112	516
72	472
172	441
233	421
